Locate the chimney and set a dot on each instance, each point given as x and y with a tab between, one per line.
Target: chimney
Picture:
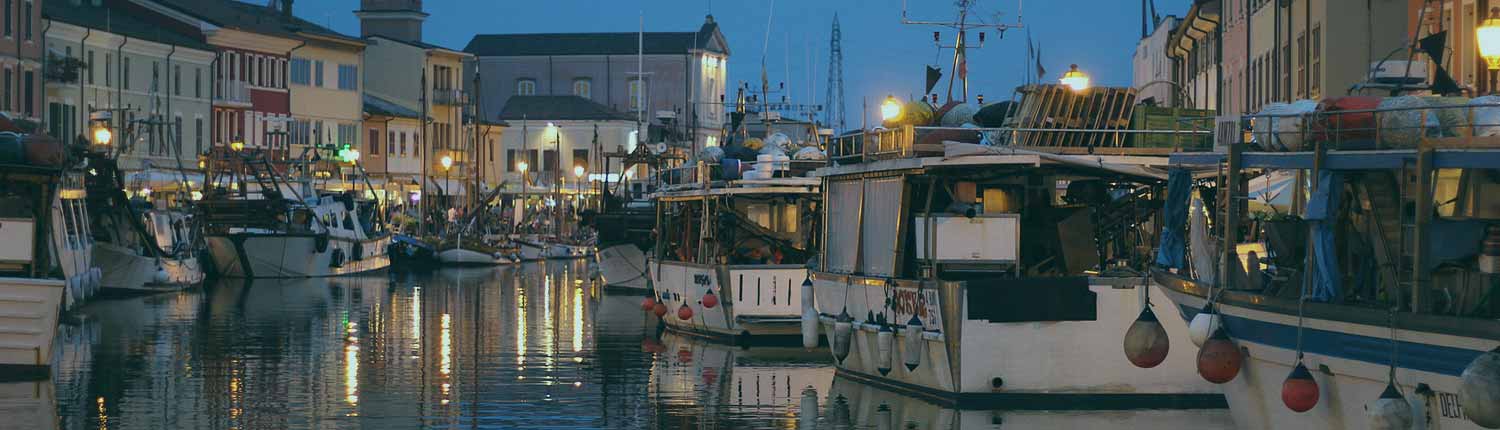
286	9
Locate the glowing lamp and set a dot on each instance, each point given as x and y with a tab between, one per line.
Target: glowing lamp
521	165
237	145
1075	79
447	162
197	195
1488	37
891	109
578	171
145	192
102	135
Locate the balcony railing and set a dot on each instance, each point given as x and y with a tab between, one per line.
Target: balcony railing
232	92
450	97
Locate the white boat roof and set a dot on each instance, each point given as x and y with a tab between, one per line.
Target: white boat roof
793	185
965	155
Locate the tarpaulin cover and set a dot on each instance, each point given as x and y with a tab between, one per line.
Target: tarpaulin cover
1322	211
1174	220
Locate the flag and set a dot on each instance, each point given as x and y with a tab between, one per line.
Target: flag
1041	72
933	76
963	65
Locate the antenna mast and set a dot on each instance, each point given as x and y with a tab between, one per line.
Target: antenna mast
964	23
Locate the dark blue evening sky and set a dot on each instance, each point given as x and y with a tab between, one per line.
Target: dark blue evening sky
881	56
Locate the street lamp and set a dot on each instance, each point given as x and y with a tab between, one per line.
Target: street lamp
891	109
102	136
1488	37
1075	79
447	163
578	171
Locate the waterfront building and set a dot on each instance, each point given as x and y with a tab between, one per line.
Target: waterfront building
154	82
1276	51
1151	64
680	84
21	59
553	138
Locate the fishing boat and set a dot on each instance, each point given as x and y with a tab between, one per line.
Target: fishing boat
625	219
544	247
1365	298
733	249
974	274
46	263
259	225
139	249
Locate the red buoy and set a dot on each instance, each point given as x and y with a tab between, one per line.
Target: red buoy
647	304
659	308
1146	343
684	313
710	300
1219	360
1299	392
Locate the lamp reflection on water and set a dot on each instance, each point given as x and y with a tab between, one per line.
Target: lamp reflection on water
416	321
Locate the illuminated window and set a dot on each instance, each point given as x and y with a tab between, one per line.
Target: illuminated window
526	87
583	88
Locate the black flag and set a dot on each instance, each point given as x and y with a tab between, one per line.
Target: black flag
1433	45
933	76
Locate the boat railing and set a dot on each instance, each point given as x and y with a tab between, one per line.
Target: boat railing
705	173
1174	134
1382	128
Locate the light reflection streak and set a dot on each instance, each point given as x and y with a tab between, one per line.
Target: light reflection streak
416	320
549	343
351	369
577	319
445	347
521	327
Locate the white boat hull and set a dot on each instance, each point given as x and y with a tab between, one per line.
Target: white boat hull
545	251
1350	363
623	266
755	300
460	256
126	271
28	323
28	405
968	355
293	256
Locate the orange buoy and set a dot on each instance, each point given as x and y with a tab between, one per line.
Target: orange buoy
647	304
1146	342
1219	360
660	309
1299	392
684	313
710	300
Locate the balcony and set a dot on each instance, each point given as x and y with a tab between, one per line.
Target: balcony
450	97
233	93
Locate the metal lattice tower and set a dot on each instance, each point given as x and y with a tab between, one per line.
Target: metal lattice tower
835	99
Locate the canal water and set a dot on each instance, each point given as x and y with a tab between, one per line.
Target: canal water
540	346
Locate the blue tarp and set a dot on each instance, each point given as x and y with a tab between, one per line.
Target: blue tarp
1322	212
1174	221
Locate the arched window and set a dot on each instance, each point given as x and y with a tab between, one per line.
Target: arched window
583	87
526	87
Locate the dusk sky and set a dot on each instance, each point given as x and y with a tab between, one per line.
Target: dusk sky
881	56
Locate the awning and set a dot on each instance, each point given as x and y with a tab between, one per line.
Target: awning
162	180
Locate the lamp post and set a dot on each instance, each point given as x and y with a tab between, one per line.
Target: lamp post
1075	79
447	163
1488	37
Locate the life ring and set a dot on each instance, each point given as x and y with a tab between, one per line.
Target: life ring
337	259
320	243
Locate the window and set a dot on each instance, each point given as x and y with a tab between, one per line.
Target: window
1286	71
177	79
91	67
526	87
374	142
9	6
177	134
301	71
510	160
583	88
30	93
197	135
125	72
348	135
1317	60
348	77
390	143
637	94
109	68
28	19
403	143
1302	65
531	160
198	83
492	151
155	76
549	161
318	73
9	86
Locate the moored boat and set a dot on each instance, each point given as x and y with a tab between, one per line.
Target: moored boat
977	274
732	252
45	258
138	249
1367	298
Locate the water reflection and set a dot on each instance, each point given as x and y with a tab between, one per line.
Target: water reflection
531	346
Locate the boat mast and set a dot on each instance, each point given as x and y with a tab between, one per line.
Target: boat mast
961	45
